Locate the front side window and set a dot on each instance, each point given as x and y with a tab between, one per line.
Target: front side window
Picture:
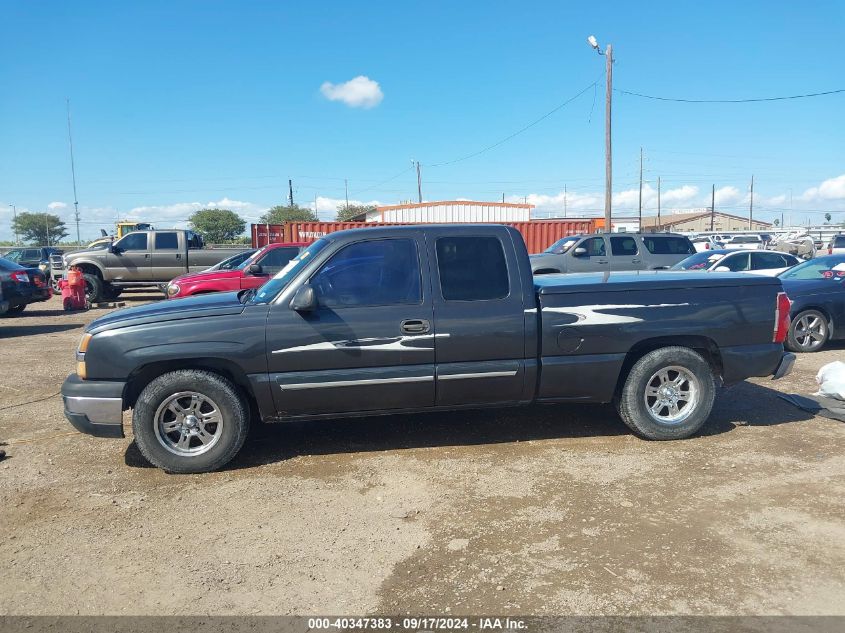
662	245
194	241
376	272
276	259
133	242
624	246
32	254
735	263
595	247
472	268
166	241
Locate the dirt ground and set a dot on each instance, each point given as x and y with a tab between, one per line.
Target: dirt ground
548	510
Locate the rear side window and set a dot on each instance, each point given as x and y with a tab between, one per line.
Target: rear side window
472	268
32	253
624	246
765	261
166	241
133	242
276	259
736	263
376	272
665	245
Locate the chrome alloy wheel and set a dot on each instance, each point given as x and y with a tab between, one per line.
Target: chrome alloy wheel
671	395
188	423
810	331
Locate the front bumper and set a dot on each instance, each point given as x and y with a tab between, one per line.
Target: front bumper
94	407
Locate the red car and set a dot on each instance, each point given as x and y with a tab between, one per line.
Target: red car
252	273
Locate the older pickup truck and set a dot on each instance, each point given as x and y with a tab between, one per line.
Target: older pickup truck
141	258
420	318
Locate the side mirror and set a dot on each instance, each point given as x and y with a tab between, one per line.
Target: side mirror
305	299
255	269
580	252
113	249
722	269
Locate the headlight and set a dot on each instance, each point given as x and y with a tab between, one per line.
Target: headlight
172	290
43	267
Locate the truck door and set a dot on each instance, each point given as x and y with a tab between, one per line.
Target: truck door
369	343
130	259
479	318
592	258
168	261
624	253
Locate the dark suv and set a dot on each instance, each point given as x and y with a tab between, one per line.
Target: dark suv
613	251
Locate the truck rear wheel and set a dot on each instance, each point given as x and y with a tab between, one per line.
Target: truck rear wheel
190	421
668	394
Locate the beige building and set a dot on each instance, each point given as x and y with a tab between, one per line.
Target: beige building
699	221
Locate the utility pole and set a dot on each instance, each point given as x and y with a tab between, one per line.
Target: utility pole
290	191
712	207
658	204
73	176
503	197
346	188
608	149
315	206
419	183
15	222
751	206
640	206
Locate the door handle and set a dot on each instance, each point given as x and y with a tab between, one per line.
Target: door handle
146	255
602	261
415	326
178	255
636	261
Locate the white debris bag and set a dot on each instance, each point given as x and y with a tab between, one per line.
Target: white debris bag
831	380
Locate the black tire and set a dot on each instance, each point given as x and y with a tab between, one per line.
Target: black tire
636	408
808	332
54	286
110	293
150	417
15	311
93	288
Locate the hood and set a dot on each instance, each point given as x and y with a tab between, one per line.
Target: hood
207	275
89	251
214	304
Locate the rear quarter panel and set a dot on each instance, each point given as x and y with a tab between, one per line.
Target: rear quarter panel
587	335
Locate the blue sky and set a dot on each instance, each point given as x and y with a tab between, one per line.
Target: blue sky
177	105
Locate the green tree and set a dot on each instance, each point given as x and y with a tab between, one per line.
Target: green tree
285	213
39	228
827	217
217	225
344	213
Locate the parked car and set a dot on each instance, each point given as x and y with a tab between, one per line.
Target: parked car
251	273
749	242
614	251
4	305
706	243
836	246
21	286
421	318
727	260
230	263
35	257
817	291
143	259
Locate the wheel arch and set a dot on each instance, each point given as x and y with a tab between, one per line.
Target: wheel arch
145	374
89	268
704	345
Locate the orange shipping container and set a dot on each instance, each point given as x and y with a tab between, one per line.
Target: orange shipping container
538	234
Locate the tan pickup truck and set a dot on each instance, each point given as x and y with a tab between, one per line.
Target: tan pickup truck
141	258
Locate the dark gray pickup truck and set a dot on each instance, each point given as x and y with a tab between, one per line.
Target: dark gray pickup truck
421	318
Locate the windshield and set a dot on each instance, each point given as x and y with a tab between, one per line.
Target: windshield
562	245
14	255
233	262
820	268
699	261
269	290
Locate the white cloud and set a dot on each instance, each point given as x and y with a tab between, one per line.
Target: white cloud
57	206
681	195
727	195
360	92
833	188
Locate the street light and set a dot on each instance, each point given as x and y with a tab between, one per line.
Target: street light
608	150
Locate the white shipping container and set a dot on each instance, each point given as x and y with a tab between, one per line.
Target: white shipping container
452	211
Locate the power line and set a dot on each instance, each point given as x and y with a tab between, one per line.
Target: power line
757	100
518	132
404	171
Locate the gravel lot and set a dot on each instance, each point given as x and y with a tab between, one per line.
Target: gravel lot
549	510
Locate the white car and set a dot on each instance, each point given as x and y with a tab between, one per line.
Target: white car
836	246
768	263
706	243
749	242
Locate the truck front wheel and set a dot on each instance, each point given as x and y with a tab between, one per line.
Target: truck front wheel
190	421
668	394
93	288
